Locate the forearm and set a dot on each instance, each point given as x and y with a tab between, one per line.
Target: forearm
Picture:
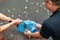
4	27
4	18
33	35
36	35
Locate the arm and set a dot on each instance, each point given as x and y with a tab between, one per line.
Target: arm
35	34
4	27
4	18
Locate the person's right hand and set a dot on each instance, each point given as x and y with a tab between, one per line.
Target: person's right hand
17	21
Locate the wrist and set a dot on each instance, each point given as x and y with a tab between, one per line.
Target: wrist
10	19
12	23
28	34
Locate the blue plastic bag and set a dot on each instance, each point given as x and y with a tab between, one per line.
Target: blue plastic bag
27	24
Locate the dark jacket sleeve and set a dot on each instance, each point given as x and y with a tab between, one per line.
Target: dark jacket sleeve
46	31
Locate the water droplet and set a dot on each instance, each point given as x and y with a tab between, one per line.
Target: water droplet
12	15
1	23
26	7
40	5
44	8
43	3
24	12
13	9
37	11
37	3
11	35
26	0
19	15
9	11
32	3
48	11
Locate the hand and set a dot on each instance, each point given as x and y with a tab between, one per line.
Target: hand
33	35
38	25
17	21
27	33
